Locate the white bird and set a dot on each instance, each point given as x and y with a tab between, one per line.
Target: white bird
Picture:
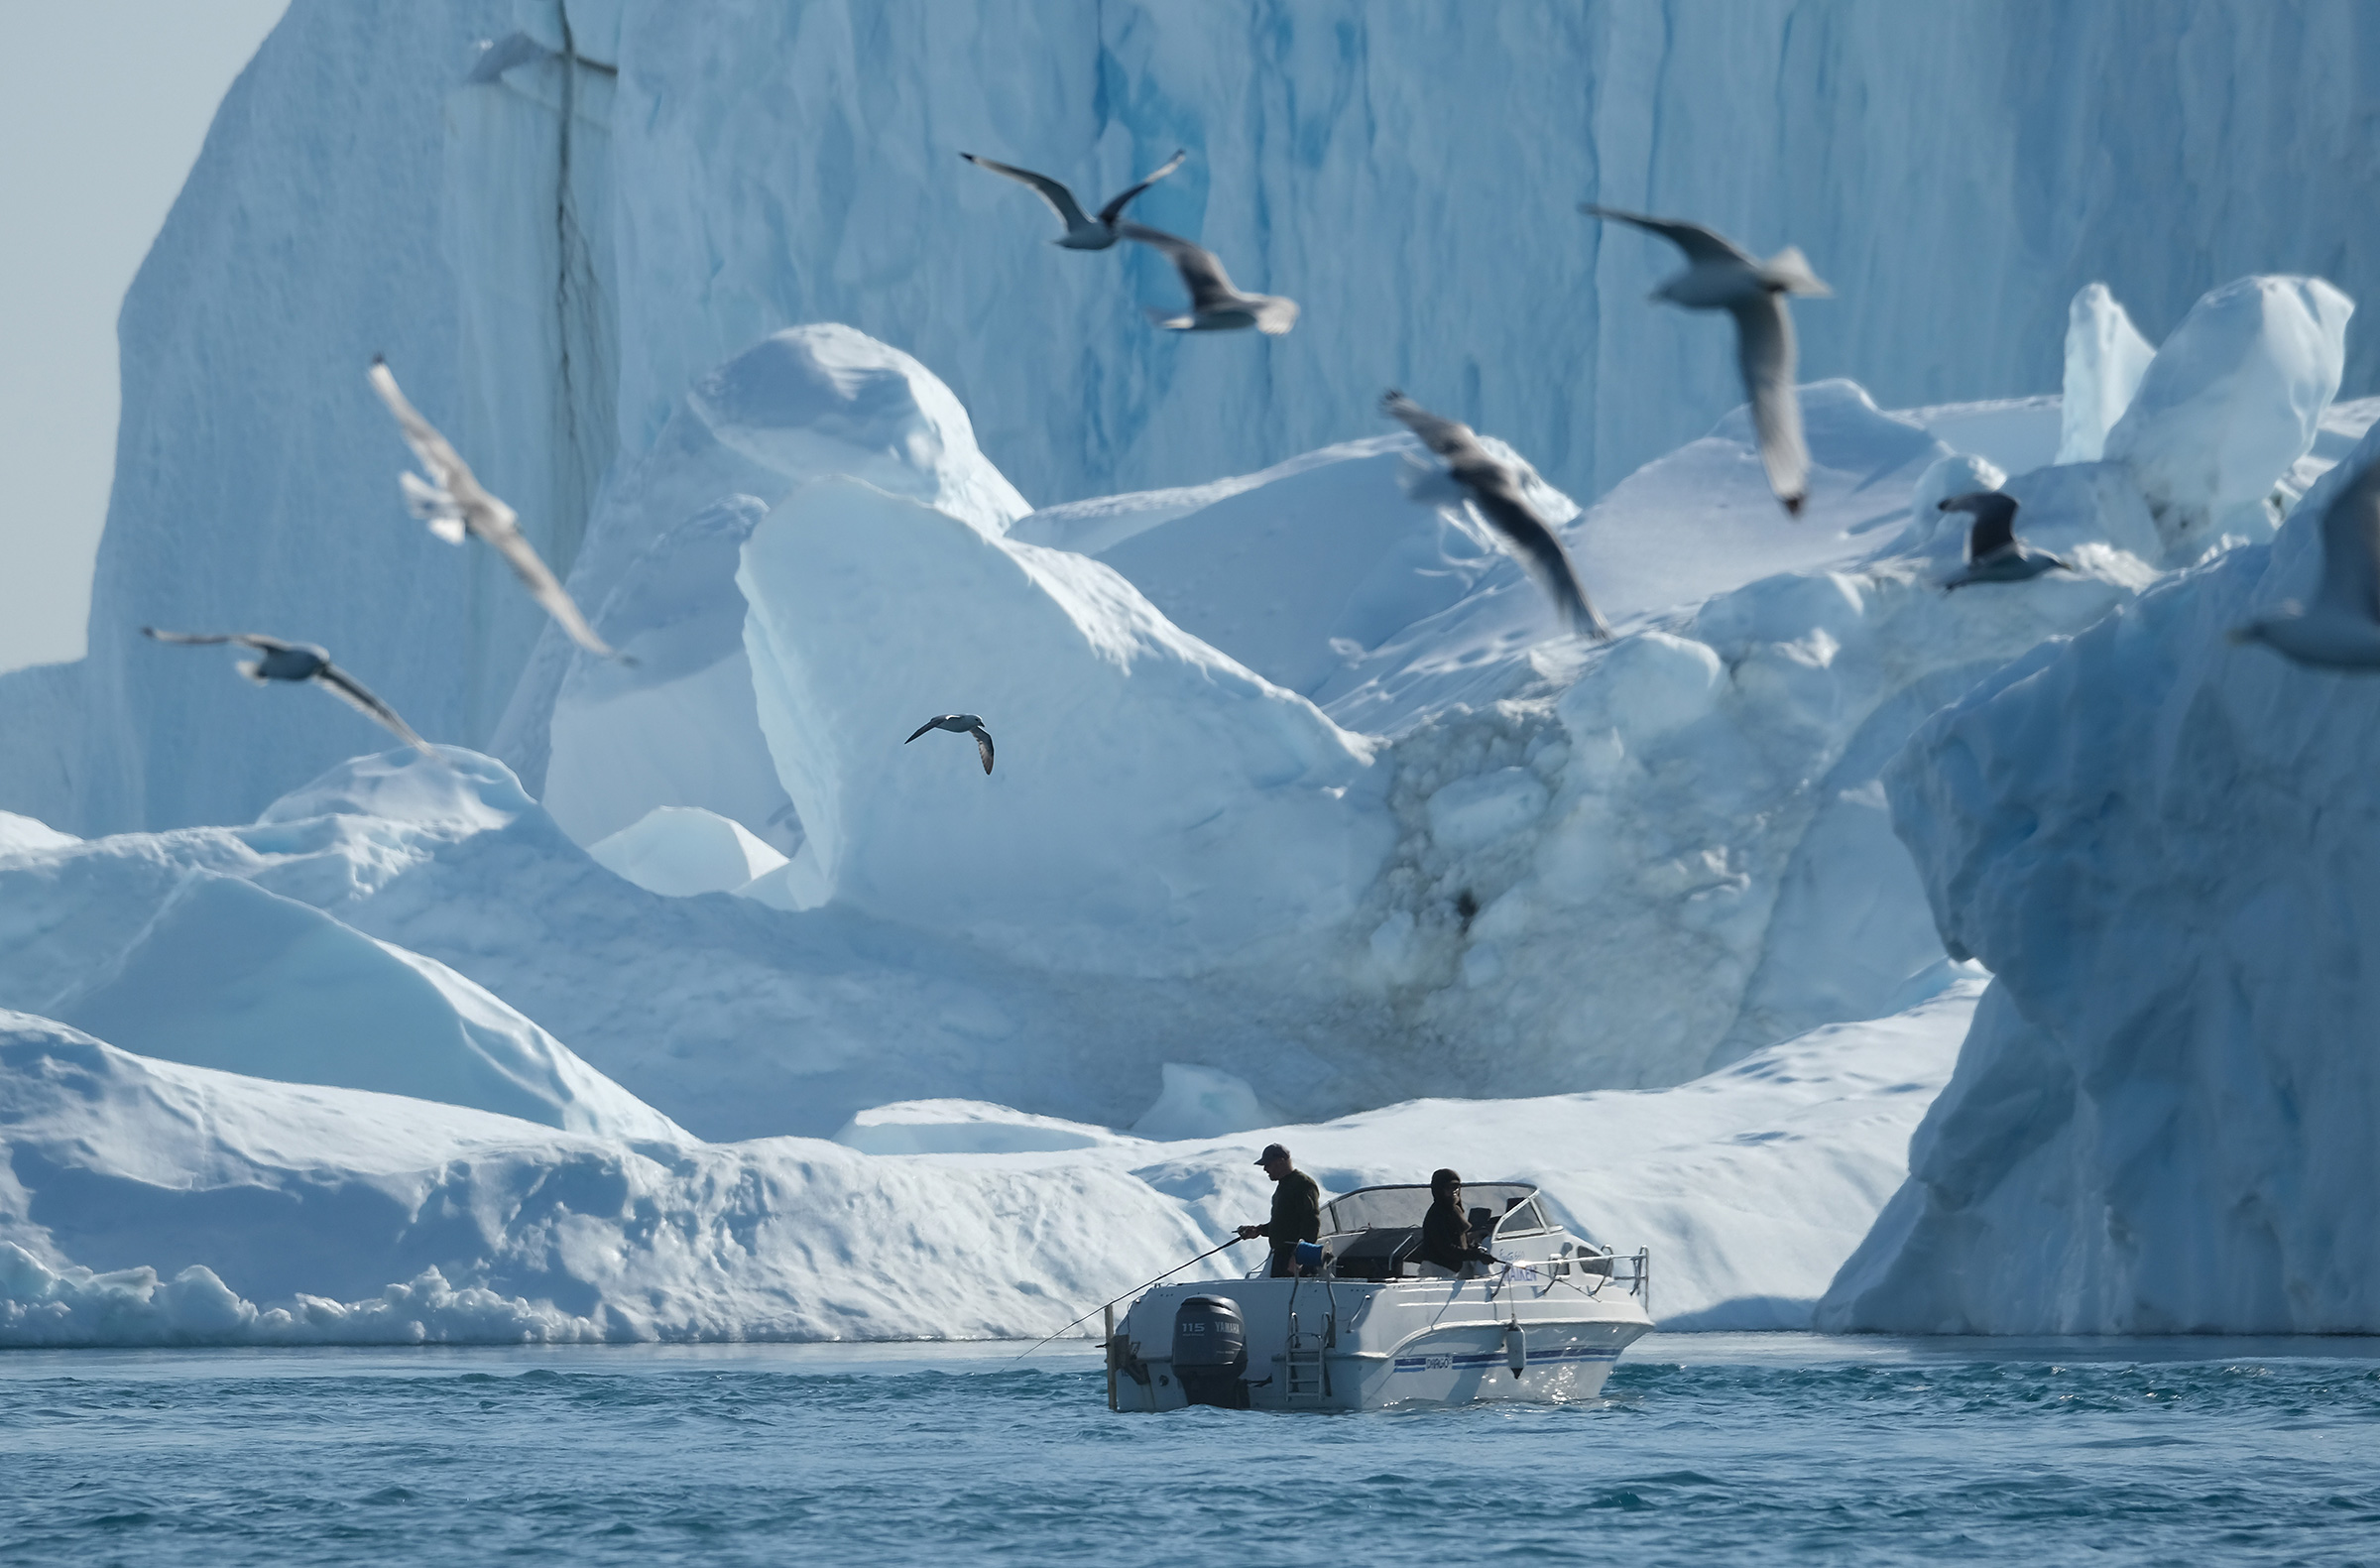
1215	305
960	724
2342	630
298	662
1082	233
1496	490
452	501
1992	552
1721	276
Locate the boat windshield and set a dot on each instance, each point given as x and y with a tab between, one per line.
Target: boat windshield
1402	1208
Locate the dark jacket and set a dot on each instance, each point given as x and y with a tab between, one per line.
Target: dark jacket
1296	1213
1445	1236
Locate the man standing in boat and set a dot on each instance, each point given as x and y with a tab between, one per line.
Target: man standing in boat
1445	1234
1296	1211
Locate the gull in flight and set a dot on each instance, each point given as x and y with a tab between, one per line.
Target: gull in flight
452	501
961	724
303	661
1721	276
1215	305
2342	629
1992	552
1082	233
1495	489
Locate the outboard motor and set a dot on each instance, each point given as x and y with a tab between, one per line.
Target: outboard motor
1209	1351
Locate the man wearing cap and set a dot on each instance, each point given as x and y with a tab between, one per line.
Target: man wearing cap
1296	1211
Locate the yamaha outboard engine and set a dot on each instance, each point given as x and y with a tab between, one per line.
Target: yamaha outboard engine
1209	1351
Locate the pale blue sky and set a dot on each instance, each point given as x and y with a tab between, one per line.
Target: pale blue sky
103	106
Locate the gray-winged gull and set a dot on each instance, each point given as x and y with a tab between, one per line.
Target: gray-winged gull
1721	276
1215	305
1496	490
1082	233
303	661
1994	554
2340	630
961	724
452	501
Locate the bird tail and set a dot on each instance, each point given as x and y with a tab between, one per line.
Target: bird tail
1789	270
1168	320
253	668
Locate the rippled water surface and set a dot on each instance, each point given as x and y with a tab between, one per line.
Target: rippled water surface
1706	1449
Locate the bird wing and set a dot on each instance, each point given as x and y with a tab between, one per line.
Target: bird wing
1995	523
921	729
1699	243
1114	208
1061	200
1764	347
983	744
1202	274
1449	438
547	590
1500	501
256	640
453	486
350	690
2351	549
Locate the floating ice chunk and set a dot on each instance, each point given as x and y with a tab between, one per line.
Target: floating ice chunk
2105	357
2233	399
1156	807
681	850
1203	1102
966	1126
232	977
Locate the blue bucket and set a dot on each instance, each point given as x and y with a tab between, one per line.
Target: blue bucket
1309	1254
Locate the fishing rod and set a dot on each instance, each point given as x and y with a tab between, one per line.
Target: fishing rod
1135	1290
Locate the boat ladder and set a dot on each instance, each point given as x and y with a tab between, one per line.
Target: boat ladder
1308	1381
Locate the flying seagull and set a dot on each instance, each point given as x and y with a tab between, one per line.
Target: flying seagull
961	724
452	501
1721	276
1215	305
1496	490
1992	552
2342	630
1082	233
303	661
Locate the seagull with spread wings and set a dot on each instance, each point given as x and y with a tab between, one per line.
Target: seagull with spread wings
452	501
1082	233
2340	630
1994	554
1721	275
1215	304
303	661
961	724
1495	489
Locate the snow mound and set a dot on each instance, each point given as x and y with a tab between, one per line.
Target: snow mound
1157	806
229	976
1200	1102
680	850
154	1203
2105	357
2231	401
21	833
964	1127
2164	847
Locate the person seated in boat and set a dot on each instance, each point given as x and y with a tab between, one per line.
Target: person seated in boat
1446	1239
1296	1212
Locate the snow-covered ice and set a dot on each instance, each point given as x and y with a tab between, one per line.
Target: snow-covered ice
681	850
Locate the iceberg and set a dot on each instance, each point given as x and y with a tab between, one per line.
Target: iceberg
2161	846
682	850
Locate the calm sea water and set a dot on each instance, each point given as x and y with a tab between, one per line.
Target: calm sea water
1732	1449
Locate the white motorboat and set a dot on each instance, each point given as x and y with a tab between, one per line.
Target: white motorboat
1371	1327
